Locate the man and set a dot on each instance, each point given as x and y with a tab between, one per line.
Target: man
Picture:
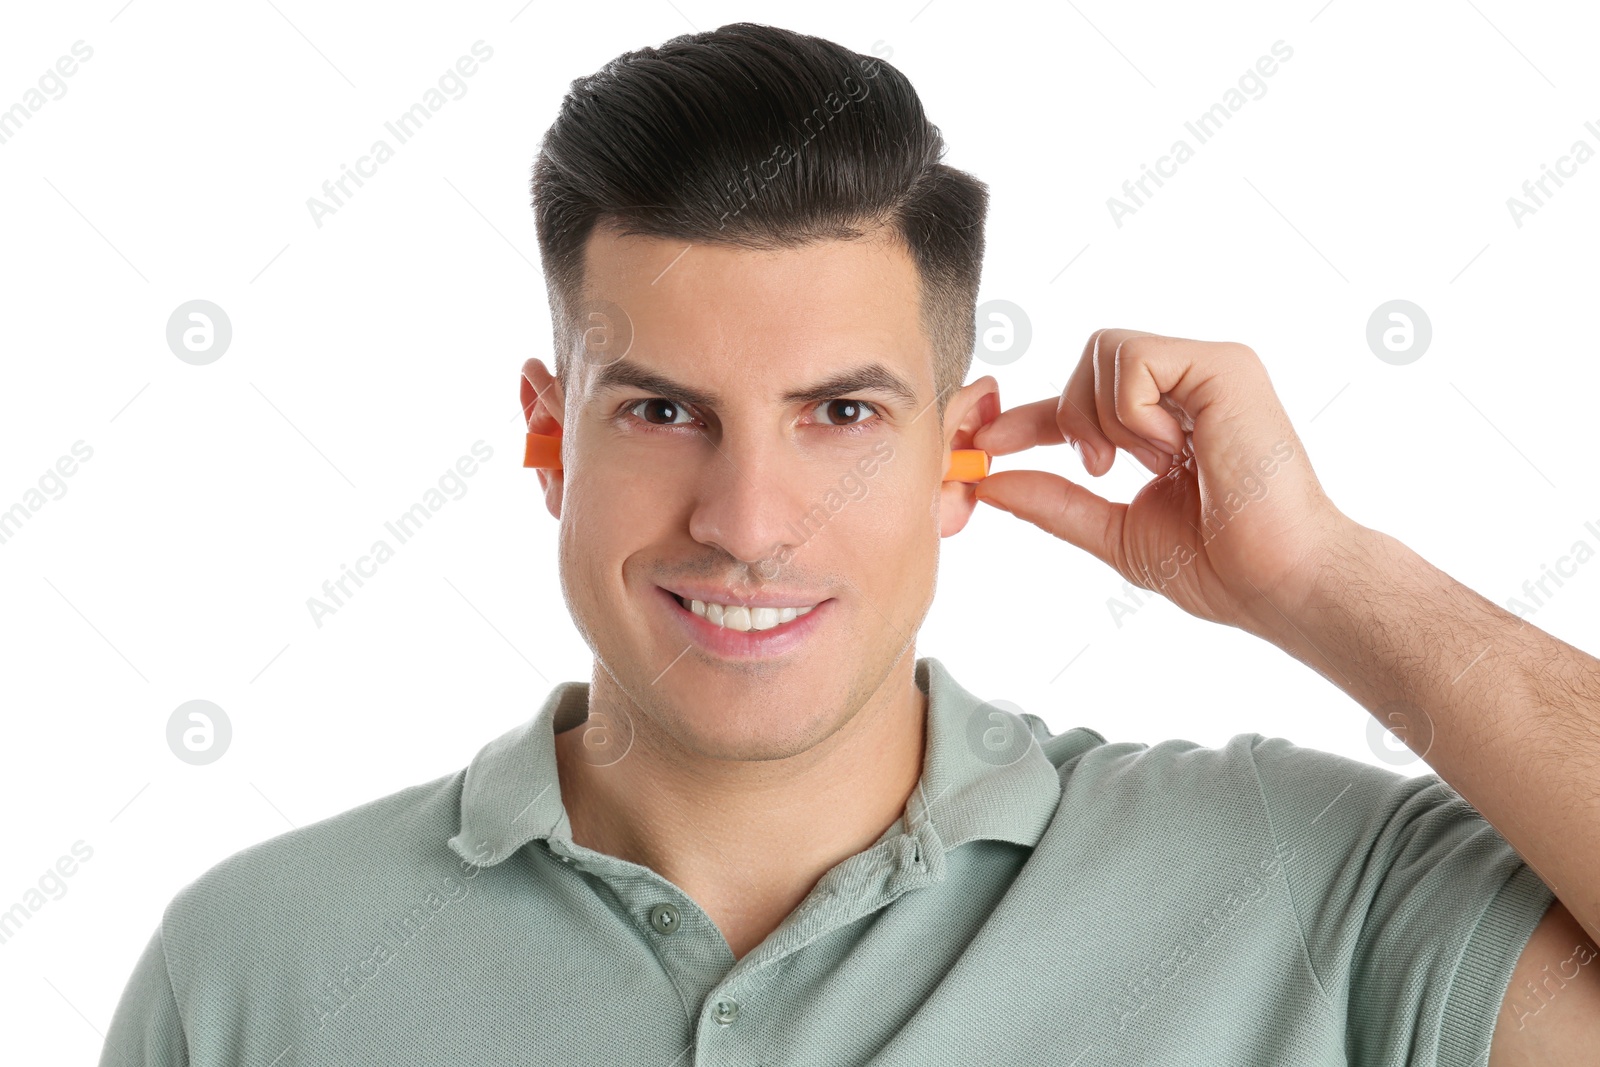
765	832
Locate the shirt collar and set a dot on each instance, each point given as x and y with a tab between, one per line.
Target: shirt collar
984	774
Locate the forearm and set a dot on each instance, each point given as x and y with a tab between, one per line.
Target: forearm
1501	710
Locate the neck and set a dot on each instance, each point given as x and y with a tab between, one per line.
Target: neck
746	840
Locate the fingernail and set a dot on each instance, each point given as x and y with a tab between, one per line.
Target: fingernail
1151	460
1083	453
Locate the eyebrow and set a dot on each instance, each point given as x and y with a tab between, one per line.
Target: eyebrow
867	378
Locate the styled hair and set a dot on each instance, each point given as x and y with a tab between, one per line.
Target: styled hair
758	137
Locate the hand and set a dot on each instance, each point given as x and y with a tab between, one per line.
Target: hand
1234	529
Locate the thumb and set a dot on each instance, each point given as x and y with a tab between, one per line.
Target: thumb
1057	506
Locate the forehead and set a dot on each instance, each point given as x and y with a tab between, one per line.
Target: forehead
691	303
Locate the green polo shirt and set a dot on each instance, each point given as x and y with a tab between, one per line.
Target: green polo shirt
1045	899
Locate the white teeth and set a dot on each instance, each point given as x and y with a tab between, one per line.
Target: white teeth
740	617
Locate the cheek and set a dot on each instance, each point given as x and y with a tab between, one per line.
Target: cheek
894	529
595	539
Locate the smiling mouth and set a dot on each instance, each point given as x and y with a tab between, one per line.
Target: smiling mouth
740	617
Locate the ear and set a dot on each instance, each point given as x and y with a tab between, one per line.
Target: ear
972	408
544	406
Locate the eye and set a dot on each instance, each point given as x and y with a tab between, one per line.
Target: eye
660	405
849	410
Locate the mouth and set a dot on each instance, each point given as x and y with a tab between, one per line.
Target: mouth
742	618
743	631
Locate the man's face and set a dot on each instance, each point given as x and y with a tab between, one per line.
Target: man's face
712	459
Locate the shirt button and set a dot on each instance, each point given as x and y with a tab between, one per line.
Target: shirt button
664	917
725	1012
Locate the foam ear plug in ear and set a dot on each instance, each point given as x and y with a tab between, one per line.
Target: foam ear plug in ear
543	451
967	465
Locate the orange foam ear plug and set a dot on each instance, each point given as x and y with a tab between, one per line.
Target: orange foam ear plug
966	464
543	451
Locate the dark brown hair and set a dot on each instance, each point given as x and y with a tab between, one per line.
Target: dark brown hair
762	138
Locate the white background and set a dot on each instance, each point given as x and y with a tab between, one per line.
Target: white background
372	352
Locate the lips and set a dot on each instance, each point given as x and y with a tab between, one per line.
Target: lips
726	643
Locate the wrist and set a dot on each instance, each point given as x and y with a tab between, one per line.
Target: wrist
1343	567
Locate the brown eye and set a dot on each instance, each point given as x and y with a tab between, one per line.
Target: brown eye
660	405
847	411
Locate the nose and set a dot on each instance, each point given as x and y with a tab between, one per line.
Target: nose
756	502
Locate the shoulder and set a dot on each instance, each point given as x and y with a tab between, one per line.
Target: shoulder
1086	760
1250	775
302	883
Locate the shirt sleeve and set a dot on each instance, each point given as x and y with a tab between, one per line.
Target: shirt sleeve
146	1030
1413	908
